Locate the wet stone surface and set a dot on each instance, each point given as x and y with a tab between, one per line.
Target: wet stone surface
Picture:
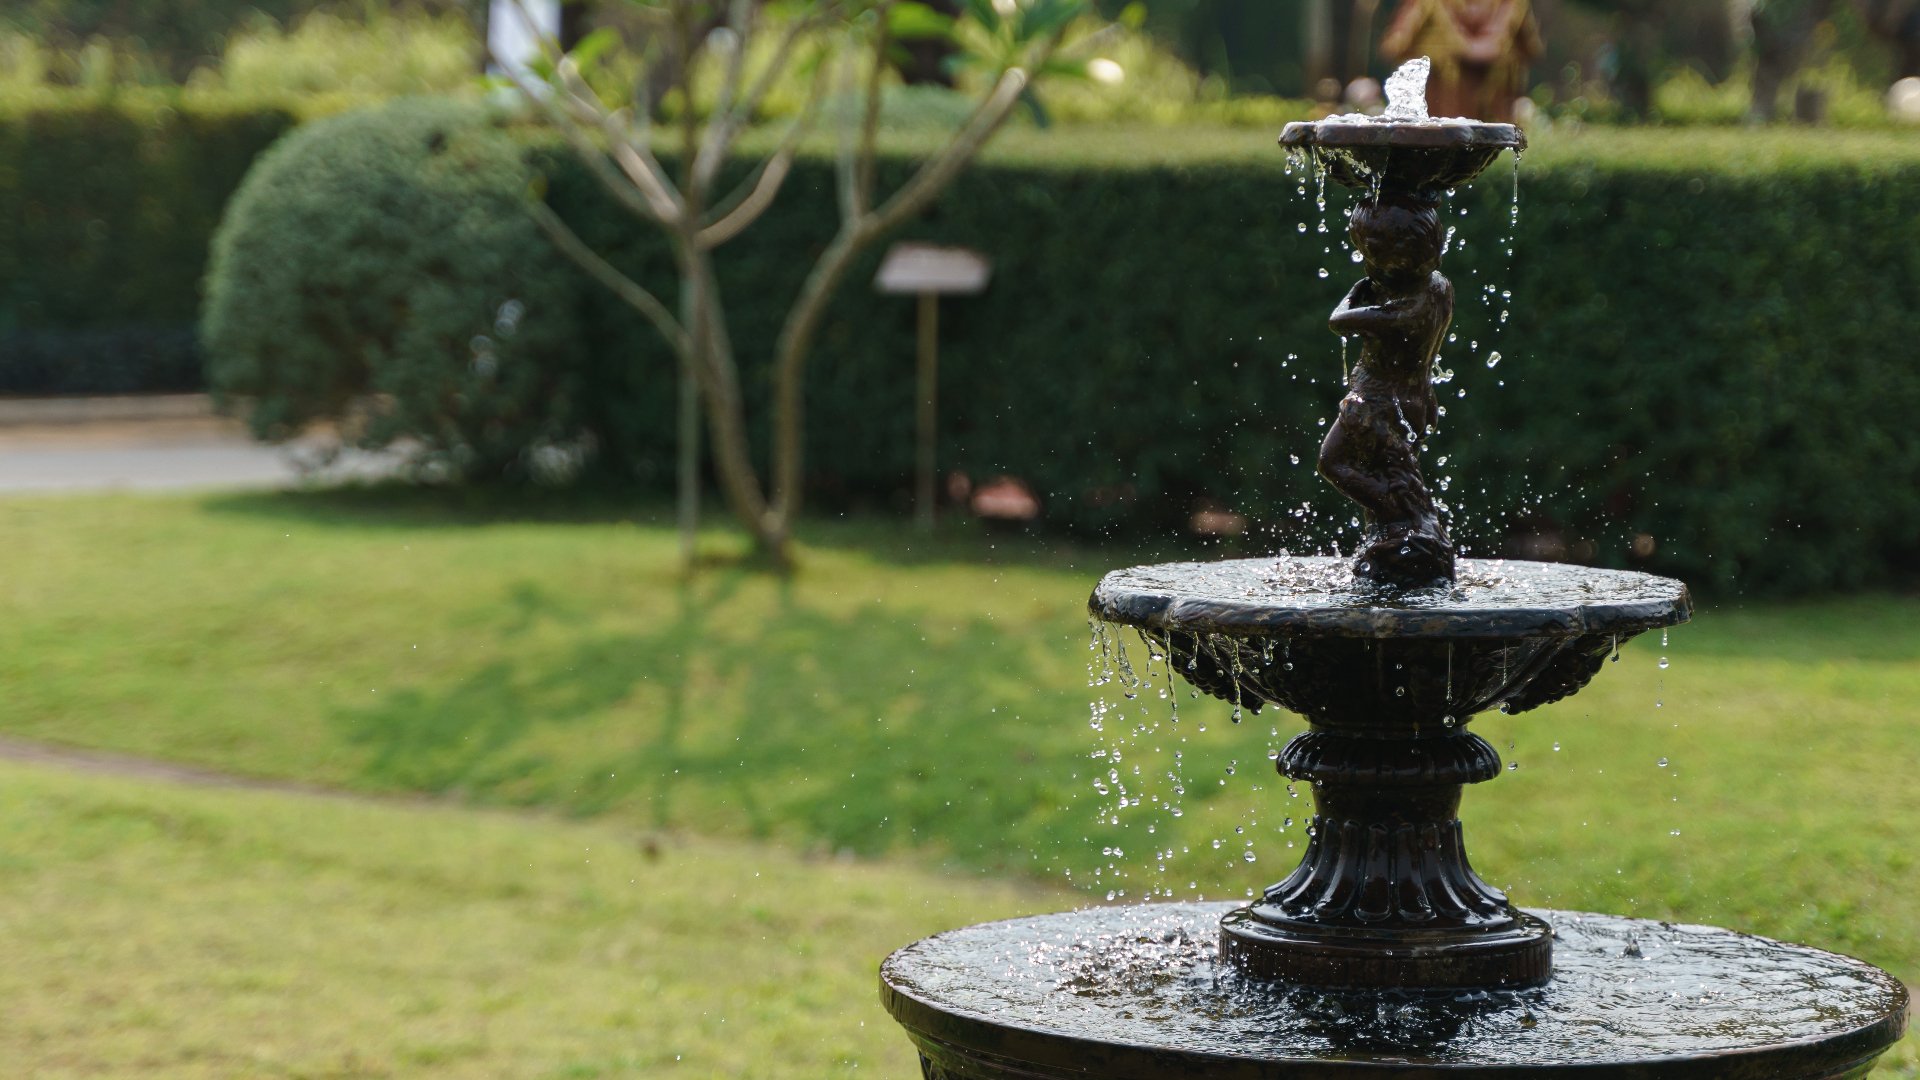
1285	594
1143	984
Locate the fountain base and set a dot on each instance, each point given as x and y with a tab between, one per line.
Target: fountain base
1142	993
1517	954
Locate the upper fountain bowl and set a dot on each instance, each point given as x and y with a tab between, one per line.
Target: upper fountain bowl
1300	632
1413	156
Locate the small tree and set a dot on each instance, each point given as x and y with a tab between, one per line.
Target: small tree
846	47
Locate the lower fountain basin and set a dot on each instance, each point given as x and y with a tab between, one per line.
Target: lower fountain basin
1140	993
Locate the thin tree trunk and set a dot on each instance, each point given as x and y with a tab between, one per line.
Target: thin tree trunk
687	478
789	404
719	383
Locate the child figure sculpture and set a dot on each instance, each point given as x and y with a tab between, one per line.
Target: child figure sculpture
1400	311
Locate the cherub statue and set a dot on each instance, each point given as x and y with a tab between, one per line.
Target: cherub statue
1400	312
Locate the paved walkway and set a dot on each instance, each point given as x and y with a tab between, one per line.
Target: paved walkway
152	444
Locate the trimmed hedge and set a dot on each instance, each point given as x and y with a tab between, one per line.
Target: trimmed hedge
386	255
106	211
1710	344
1710	349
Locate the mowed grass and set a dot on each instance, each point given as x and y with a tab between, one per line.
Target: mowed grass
925	701
162	932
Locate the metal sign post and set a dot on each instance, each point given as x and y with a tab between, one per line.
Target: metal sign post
929	272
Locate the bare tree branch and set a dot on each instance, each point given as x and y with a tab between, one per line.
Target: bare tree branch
589	152
656	199
690	191
626	288
937	172
803	319
630	148
749	105
845	166
870	122
718	138
772	174
751	199
643	170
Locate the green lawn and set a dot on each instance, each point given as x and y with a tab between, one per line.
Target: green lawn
157	932
926	702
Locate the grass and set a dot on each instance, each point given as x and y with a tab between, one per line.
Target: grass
163	932
926	701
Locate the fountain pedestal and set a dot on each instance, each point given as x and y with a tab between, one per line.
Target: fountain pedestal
1384	895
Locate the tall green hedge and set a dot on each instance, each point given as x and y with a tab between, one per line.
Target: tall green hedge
1711	342
106	210
1710	351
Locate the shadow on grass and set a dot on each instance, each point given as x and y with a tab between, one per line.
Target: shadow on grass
798	725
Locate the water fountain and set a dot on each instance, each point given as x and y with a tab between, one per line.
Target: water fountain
1383	954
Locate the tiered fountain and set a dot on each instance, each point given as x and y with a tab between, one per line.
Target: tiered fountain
1383	954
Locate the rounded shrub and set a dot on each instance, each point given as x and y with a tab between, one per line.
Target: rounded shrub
379	270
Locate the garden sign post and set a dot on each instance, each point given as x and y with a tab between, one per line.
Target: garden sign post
928	272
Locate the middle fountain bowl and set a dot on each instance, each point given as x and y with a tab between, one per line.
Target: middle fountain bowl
1384	895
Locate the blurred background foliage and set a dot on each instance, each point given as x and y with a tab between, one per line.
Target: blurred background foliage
1669	61
124	131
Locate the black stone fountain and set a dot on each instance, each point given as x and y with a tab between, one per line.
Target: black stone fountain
1383	954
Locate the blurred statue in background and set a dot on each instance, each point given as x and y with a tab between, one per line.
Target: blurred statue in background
1480	51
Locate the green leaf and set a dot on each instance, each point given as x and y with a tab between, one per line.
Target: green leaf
1061	68
595	45
982	12
911	20
1041	118
1043	18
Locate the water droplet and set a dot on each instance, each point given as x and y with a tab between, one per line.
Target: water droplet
1662	763
1663	663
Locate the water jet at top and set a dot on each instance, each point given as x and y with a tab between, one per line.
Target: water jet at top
1383	953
